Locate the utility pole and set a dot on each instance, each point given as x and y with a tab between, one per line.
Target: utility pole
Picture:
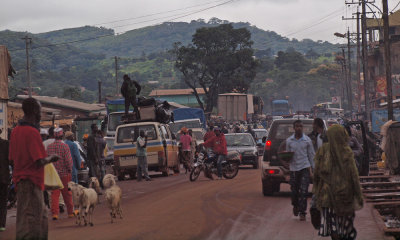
358	62
345	79
365	60
349	89
116	75
388	70
99	82
28	41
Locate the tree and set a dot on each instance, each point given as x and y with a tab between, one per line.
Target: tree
73	93
220	59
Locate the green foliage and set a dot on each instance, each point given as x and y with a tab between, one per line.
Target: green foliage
219	60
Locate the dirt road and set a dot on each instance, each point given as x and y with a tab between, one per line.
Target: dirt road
175	208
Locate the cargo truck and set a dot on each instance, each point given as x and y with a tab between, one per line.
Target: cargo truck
239	106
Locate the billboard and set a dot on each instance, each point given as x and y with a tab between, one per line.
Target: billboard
380	117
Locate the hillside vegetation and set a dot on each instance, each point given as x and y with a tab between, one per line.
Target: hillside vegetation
70	62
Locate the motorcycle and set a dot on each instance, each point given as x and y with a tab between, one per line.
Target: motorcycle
206	162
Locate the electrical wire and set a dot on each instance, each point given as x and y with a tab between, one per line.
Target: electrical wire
395	7
178	16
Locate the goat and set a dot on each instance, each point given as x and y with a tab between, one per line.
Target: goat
75	190
108	181
113	197
87	199
95	184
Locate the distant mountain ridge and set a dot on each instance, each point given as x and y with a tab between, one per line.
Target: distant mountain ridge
161	37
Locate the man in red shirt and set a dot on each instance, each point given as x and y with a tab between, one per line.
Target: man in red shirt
29	157
209	134
186	141
64	170
218	145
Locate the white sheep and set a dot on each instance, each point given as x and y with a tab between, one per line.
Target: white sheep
87	200
75	190
108	181
95	184
113	197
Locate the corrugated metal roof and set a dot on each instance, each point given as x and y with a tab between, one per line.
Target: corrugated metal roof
169	92
66	103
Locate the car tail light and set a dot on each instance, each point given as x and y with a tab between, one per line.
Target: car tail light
272	171
268	145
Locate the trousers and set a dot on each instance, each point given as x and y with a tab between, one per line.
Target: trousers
31	212
299	182
67	196
3	204
142	167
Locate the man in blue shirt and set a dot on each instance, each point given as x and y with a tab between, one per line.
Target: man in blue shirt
76	157
300	168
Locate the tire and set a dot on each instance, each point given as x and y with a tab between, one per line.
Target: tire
267	188
233	170
194	174
255	165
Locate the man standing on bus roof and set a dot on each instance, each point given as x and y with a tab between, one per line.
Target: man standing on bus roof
300	167
129	90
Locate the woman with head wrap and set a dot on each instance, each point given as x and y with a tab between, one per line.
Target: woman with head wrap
336	186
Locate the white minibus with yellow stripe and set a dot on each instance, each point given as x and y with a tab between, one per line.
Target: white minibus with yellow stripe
162	149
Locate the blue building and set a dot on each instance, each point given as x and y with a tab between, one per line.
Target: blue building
182	96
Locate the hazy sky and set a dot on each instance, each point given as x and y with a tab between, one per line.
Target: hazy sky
315	19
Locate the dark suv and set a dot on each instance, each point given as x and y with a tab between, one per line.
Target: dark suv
273	173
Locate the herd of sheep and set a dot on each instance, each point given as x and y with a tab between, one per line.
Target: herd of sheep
85	199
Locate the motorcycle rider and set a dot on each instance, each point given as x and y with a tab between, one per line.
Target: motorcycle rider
218	145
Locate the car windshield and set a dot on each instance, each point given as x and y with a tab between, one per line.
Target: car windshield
239	140
285	130
114	120
260	134
175	127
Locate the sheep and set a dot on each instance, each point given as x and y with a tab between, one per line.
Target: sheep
88	200
95	184
113	197
108	181
75	190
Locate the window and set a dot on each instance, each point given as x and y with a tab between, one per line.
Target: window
285	130
114	120
239	140
131	133
165	132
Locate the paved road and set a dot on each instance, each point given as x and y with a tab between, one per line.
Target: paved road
175	208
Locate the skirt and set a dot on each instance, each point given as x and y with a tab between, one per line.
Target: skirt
333	225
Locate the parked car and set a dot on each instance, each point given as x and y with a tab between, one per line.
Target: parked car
273	172
246	146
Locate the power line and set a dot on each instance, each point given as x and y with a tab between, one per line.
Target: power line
395	7
159	13
321	20
178	16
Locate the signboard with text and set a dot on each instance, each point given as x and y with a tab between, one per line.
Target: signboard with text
380	117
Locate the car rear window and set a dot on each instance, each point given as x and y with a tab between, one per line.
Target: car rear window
131	133
284	130
239	140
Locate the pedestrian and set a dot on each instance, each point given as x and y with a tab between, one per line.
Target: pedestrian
186	142
50	139
4	181
76	156
28	155
101	145
251	131
64	170
93	153
219	146
44	134
336	186
355	147
318	135
193	145
209	134
141	153
300	168
129	90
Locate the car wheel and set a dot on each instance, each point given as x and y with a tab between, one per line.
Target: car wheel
267	188
255	165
